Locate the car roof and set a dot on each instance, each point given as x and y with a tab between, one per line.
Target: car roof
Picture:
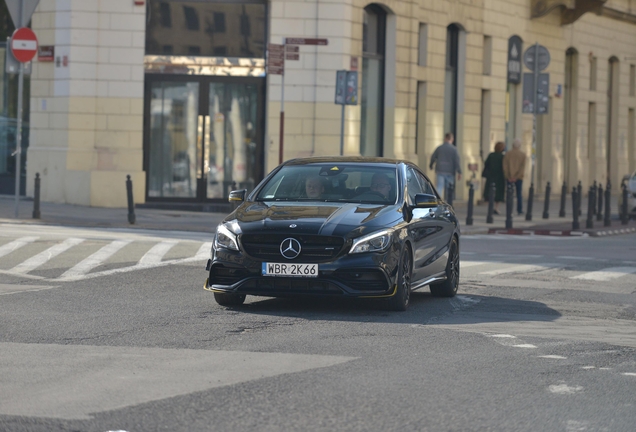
344	159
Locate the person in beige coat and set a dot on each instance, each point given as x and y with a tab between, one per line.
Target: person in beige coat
514	166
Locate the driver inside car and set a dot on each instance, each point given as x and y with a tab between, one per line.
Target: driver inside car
314	188
381	184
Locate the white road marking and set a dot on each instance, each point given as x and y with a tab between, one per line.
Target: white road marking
606	274
503	336
588	367
157	252
564	389
89	263
204	251
16	244
522	268
552	356
629	374
579	258
466	264
44	256
524	346
14	289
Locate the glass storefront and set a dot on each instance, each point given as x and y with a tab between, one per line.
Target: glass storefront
8	115
204	135
204	98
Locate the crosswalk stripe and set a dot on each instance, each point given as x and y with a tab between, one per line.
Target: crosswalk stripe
466	264
523	268
157	252
204	251
16	244
606	274
94	260
44	256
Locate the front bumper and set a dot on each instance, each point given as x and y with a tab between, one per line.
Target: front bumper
367	275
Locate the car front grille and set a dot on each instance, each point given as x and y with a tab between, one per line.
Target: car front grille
314	248
289	285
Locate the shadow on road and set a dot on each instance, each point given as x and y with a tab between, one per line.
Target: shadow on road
424	309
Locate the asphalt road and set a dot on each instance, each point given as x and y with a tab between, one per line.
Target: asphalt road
113	331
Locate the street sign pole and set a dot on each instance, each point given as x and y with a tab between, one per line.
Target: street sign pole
535	104
18	139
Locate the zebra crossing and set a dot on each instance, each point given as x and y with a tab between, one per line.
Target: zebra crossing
61	257
574	268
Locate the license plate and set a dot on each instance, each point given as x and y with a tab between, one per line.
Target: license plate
288	269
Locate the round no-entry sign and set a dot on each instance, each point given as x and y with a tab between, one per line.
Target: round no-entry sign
24	44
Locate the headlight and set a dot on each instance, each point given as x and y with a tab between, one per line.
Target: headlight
225	238
376	242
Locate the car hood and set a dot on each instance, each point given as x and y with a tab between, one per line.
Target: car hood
347	220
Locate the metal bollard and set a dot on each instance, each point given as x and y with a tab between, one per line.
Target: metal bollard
624	206
546	203
530	199
471	198
594	188
599	203
579	191
131	205
510	197
589	223
575	207
564	192
491	203
608	205
36	197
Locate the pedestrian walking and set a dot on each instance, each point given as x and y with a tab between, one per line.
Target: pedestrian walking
514	166
446	161
493	172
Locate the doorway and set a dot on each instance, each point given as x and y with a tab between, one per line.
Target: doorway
203	136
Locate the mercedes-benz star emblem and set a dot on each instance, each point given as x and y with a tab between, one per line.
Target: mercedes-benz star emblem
293	226
290	248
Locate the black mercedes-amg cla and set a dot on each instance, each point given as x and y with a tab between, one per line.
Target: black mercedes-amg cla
337	226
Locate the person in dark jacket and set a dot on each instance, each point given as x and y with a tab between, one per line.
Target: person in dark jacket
494	173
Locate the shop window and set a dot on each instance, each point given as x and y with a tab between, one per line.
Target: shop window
236	28
219	22
194	50
164	15
191	18
372	95
168	49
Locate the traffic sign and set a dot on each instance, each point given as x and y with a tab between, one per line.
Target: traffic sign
24	44
21	11
544	57
305	41
542	93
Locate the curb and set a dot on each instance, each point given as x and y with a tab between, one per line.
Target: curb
563	233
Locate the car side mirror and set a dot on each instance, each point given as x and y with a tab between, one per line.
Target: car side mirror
425	201
237	196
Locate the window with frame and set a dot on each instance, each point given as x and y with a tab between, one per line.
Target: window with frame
219	28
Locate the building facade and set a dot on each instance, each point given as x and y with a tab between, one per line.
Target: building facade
177	94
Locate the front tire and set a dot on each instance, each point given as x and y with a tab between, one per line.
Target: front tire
400	300
448	288
229	299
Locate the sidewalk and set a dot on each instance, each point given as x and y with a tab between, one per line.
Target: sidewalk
179	220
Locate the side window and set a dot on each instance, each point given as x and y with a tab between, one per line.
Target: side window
427	187
412	184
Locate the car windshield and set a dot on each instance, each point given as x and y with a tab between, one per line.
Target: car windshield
341	182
